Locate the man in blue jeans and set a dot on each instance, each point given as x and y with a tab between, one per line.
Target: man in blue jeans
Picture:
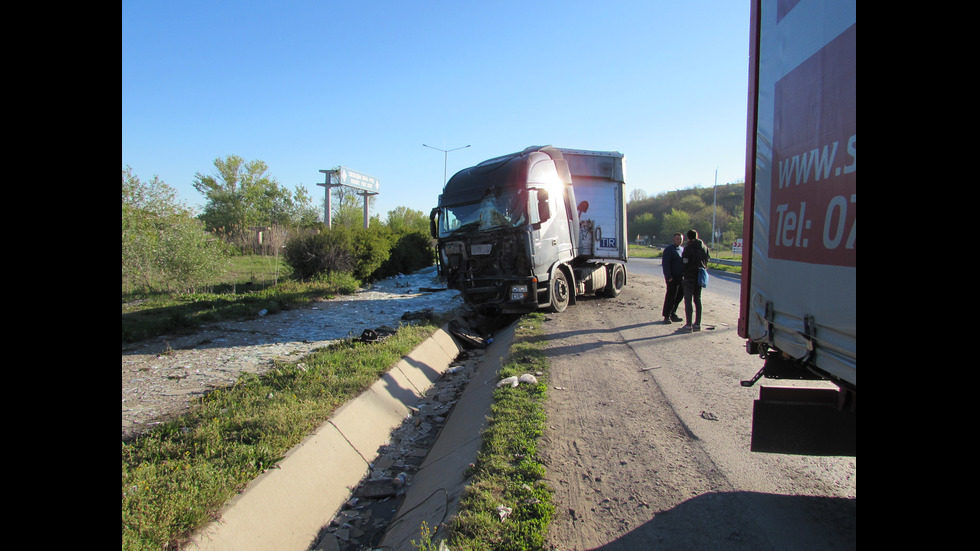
673	272
695	256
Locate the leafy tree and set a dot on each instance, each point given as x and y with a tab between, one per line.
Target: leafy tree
690	203
349	216
163	246
733	229
240	195
404	219
643	224
701	221
676	221
695	208
303	213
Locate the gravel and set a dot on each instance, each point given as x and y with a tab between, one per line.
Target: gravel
162	377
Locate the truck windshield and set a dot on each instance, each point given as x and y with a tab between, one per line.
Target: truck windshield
494	211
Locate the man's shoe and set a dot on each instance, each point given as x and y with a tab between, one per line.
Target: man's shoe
666	320
697	328
686	327
675	317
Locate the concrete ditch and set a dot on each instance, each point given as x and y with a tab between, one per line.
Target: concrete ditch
289	506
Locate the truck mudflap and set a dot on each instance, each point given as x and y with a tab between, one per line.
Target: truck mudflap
805	421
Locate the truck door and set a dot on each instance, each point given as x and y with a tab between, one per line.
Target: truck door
550	241
544	233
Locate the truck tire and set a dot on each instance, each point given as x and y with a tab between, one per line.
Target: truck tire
558	292
617	280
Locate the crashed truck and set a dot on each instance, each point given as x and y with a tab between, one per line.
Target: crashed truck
534	229
798	294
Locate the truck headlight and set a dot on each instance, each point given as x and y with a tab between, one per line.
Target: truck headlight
518	292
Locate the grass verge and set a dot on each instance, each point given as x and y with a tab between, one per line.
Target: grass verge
507	505
162	313
176	477
643	251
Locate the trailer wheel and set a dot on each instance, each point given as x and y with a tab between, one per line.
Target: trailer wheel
559	290
617	280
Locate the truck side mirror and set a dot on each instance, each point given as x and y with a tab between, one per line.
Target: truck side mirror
544	207
432	223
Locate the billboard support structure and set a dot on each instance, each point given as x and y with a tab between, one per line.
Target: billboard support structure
346	177
327	185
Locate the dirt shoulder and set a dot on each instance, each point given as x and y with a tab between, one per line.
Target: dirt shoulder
647	438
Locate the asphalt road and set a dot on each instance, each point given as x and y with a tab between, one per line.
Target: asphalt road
721	283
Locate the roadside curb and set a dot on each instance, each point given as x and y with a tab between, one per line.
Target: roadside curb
435	490
285	507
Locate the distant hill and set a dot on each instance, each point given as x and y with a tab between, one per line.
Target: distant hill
672	211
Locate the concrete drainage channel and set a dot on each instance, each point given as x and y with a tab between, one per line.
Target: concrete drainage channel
387	461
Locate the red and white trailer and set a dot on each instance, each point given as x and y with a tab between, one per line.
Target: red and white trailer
798	296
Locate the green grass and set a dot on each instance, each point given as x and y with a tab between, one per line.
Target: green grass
176	477
252	284
508	472
256	270
643	251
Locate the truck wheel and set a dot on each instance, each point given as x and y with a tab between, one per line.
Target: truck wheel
559	292
617	280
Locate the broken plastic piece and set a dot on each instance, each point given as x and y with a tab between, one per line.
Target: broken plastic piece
528	378
468	337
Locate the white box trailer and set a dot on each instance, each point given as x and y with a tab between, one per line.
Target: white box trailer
599	180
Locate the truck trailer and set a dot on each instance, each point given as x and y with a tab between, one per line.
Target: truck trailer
798	304
534	229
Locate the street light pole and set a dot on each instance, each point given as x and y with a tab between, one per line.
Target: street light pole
714	209
445	160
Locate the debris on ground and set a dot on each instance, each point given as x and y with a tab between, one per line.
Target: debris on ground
422	315
376	335
515	380
709	416
470	338
528	378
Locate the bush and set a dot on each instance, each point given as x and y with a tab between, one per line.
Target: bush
372	247
325	252
367	254
188	257
163	246
411	252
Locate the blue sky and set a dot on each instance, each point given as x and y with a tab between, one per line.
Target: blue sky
306	85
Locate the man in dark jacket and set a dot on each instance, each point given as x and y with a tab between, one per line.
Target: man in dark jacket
673	272
695	256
